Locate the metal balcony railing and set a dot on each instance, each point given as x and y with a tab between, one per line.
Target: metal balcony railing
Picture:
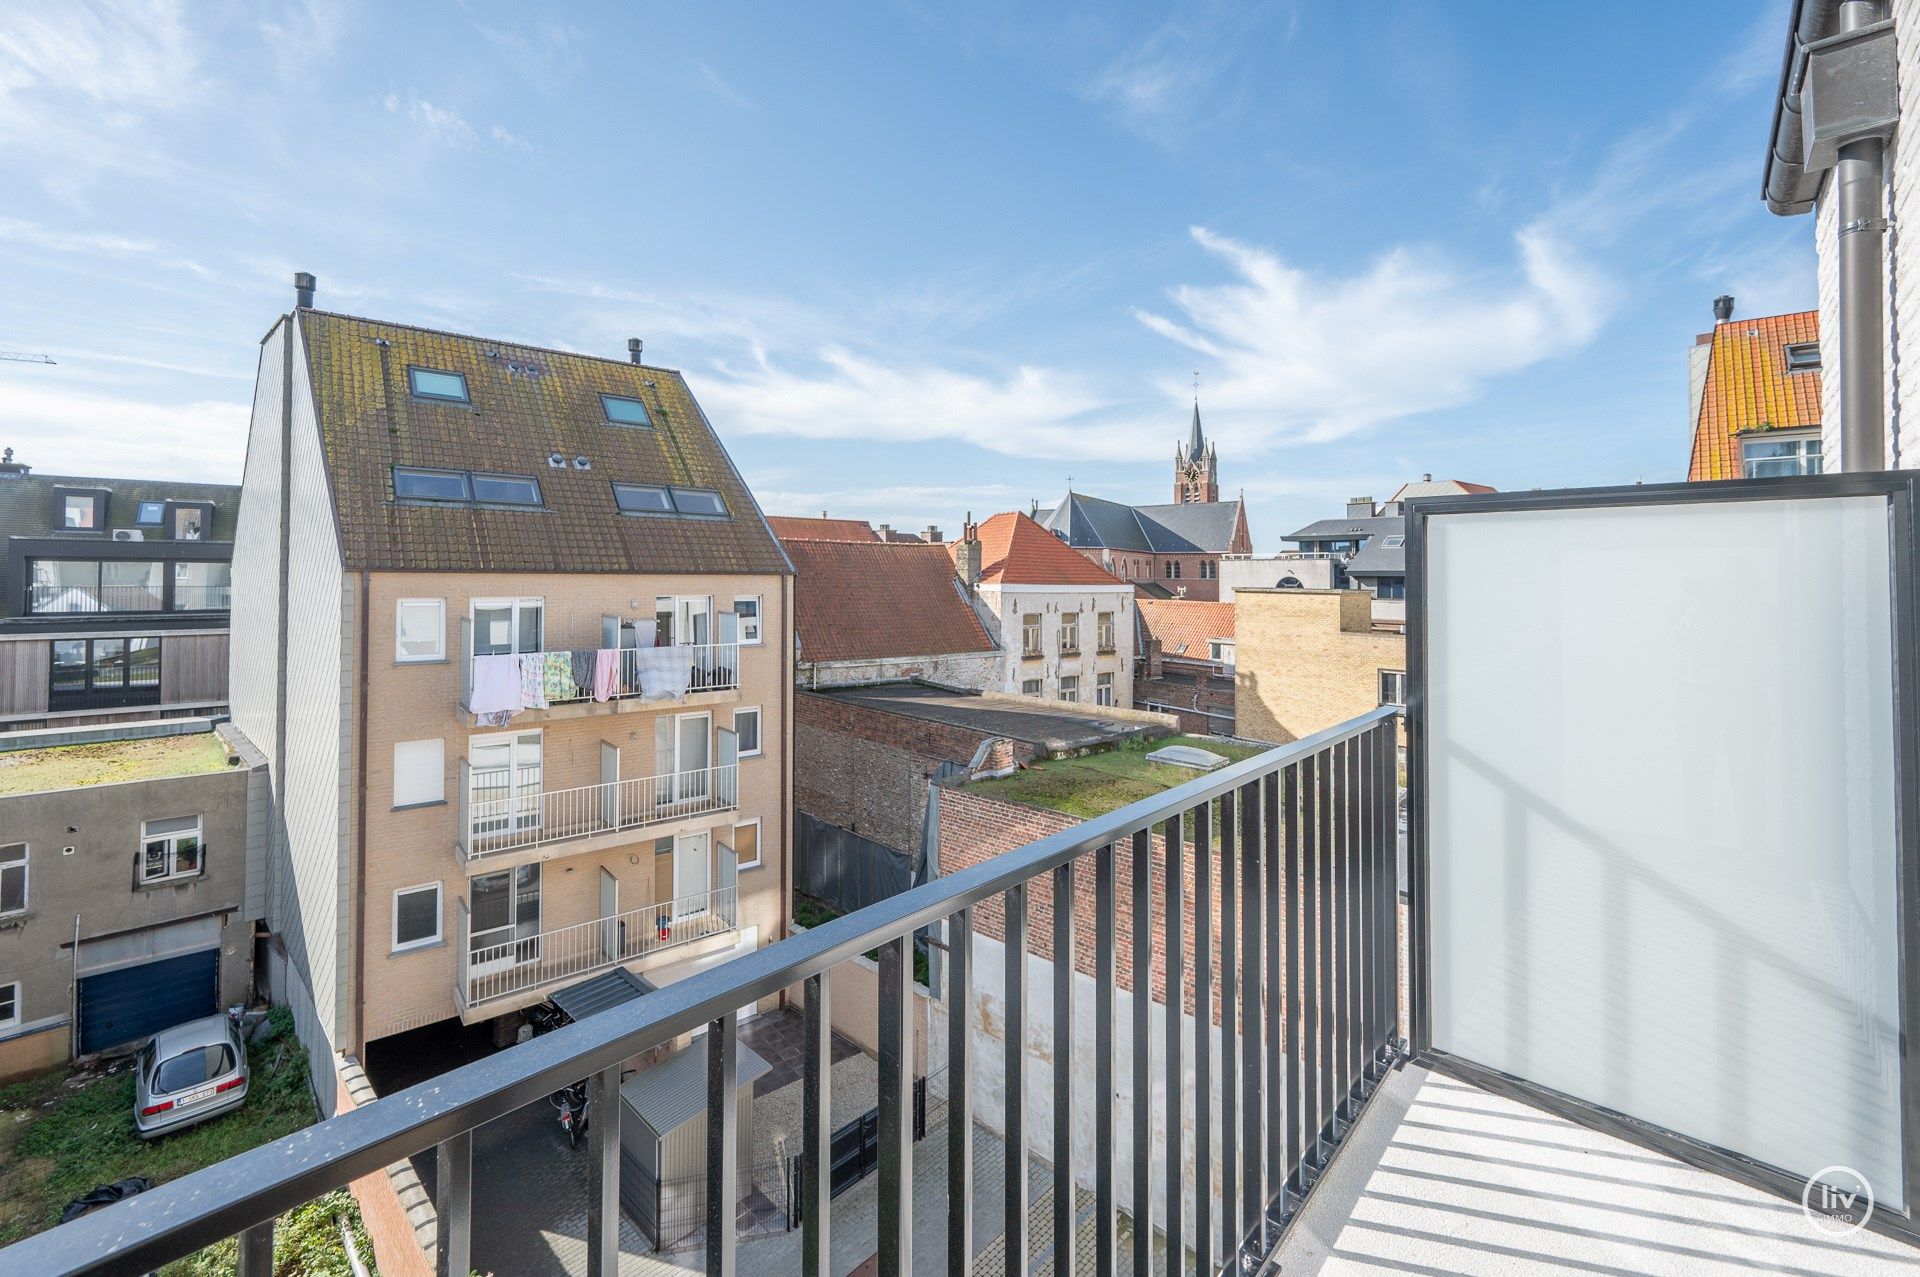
1297	847
504	810
644	673
56	600
493	969
201	598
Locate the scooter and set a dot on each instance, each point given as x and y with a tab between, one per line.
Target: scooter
572	1104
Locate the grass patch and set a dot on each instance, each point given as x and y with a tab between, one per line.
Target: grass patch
306	1243
60	1135
29	771
1094	784
810	912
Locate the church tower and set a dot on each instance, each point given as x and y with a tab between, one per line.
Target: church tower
1196	467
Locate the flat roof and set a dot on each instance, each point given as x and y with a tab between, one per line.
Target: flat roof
52	767
1054	725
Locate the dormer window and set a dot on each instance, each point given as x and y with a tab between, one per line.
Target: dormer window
1803	356
83	511
621	411
151	514
429	383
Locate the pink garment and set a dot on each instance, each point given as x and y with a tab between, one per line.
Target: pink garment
606	673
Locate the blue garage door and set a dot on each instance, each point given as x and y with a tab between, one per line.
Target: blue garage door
133	1002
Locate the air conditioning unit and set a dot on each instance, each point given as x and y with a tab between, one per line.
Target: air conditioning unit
129	534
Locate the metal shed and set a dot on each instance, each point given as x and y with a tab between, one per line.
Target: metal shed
663	1140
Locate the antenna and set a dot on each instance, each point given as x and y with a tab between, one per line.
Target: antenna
20	357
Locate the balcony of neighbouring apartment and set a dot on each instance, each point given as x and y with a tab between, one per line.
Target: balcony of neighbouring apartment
496	687
506	817
87	587
509	959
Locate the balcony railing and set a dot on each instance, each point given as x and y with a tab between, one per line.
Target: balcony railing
56	600
201	598
490	972
506	811
644	673
1296	845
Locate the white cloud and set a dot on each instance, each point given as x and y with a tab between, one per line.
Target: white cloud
710	80
512	141
80	432
906	507
441	124
123	57
1305	357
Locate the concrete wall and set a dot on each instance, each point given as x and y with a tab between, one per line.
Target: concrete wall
1009	603
1306	660
1264	571
976	671
83	851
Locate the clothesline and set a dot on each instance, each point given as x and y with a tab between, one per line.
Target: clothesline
505	683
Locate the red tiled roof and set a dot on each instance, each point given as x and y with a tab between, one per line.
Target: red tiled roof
858	600
1748	388
1014	550
1185	626
821	529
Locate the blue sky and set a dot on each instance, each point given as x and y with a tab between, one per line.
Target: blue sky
915	258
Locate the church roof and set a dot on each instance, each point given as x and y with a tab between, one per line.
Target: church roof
1087	522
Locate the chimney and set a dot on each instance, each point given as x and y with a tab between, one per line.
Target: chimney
966	558
1723	308
1033	511
1426	478
1359	507
634	347
933	535
11	469
886	532
1155	658
303	286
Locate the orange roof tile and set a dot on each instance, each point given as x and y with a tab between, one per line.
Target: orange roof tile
1748	387
1015	550
822	528
856	600
1185	626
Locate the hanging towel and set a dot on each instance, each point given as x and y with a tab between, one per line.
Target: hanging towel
493	718
606	673
663	671
533	690
559	677
646	633
583	662
496	685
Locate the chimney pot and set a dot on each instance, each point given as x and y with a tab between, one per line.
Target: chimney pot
634	347
1426	478
933	534
303	286
1723	308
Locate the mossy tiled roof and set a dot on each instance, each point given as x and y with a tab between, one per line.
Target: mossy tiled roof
1749	388
525	403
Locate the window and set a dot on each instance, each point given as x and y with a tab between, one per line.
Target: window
641	498
1393	688
419	772
104	673
746	725
1390	588
9	1005
190	522
83	511
429	383
1070	687
698	501
1173	569
506	489
1393	542
190	1068
171	849
13	878
625	412
1220	650
746	608
1209	569
1803	356
1167	569
416	917
151	514
420	630
1069	632
1103	689
1105	631
1032	687
1774	458
746	844
202	587
431	485
501	626
1030	635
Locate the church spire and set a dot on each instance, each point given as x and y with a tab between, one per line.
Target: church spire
1196	442
1196	473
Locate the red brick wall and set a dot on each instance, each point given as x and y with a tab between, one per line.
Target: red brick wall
396	1252
1209	689
866	769
975	828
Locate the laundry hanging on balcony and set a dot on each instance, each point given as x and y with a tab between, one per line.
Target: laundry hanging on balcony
663	672
533	689
606	674
557	677
496	688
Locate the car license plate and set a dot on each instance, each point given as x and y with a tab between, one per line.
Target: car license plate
194	1097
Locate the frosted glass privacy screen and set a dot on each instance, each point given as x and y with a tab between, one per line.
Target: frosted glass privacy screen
1661	842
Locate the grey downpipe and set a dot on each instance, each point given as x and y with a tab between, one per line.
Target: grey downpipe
1860	180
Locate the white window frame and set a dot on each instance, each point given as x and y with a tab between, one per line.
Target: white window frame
1104	693
13	1020
759	730
1038	686
1033	628
749	633
7	863
439	789
439	653
516	608
1400	676
1070	694
759	849
1069	633
1106	633
198	832
1220	651
439	918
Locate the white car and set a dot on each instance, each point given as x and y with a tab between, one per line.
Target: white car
188	1074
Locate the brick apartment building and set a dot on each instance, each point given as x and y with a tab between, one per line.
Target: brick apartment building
1185	662
1756	396
1305	660
517	644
